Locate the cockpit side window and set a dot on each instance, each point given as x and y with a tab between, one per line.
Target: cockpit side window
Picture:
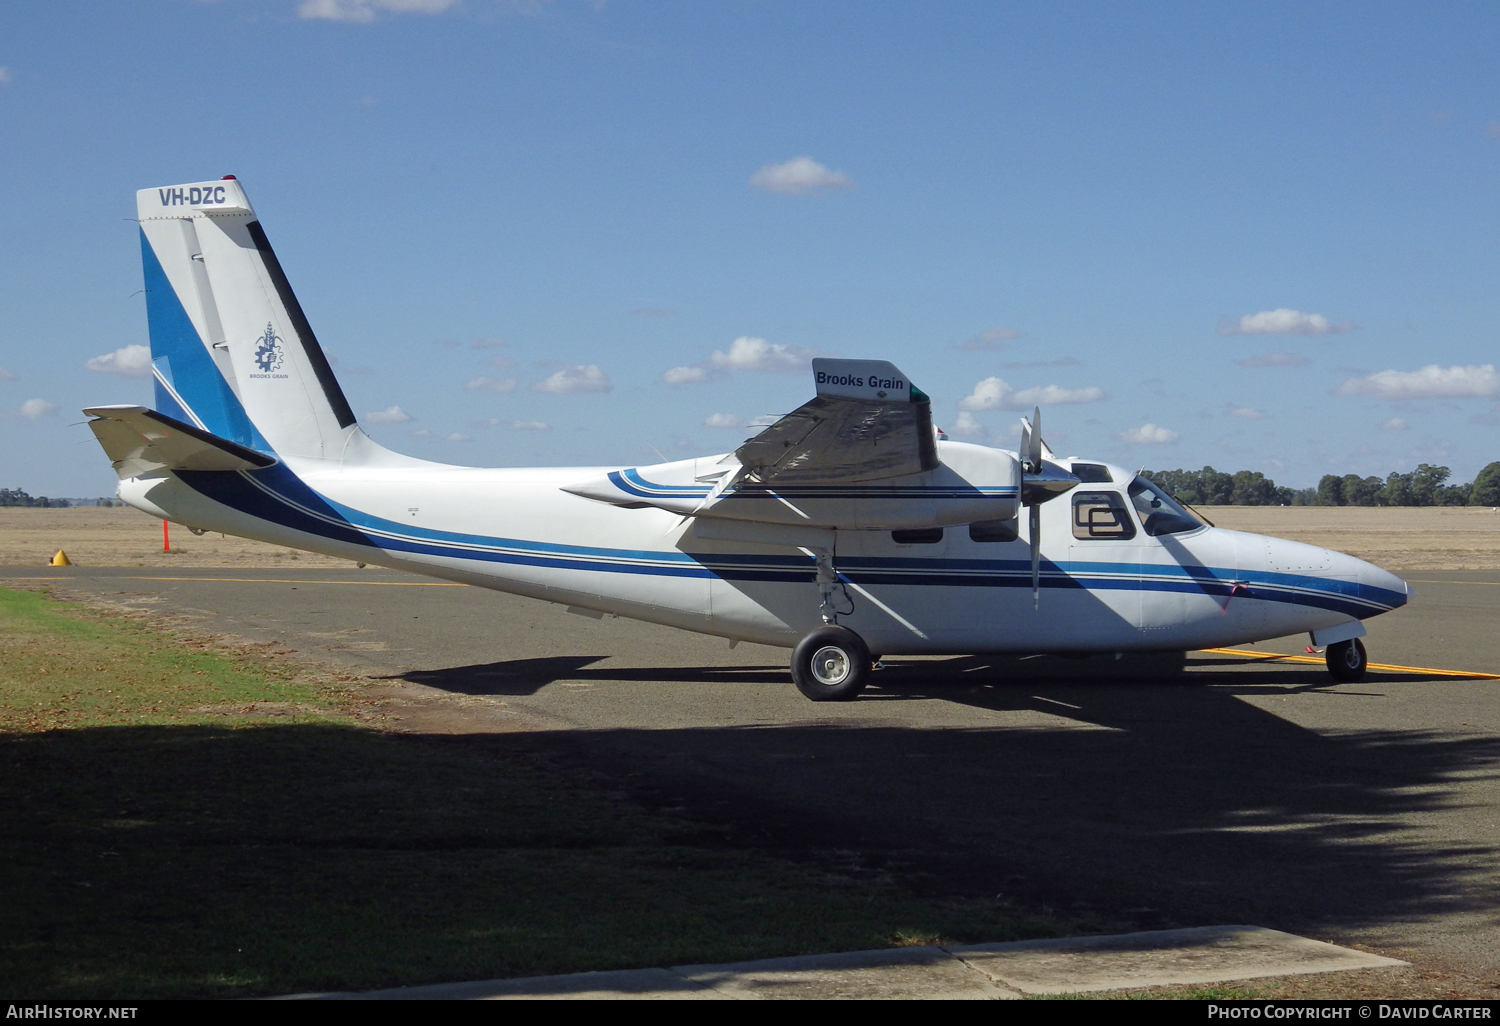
1159	512
1101	515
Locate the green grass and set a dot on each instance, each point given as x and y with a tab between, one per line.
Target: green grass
176	821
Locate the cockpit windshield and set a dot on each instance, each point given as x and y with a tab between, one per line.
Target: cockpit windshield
1159	512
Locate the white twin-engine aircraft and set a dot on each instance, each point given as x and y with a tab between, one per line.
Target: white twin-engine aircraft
848	527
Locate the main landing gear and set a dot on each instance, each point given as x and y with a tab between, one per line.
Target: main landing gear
1346	660
832	664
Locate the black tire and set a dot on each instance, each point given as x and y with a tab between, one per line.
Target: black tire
832	664
1346	660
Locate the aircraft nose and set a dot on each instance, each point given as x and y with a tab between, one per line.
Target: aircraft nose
1376	583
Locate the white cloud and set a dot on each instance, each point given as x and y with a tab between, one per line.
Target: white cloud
573	378
723	420
1431	382
1062	361
529	425
4	74
389	415
764	420
362	12
799	177
487	343
6	375
1283	322
422	433
1277	359
995	394
1249	413
989	394
1394	424
756	354
967	427
490	385
31	409
1149	434
459	436
994	338
684	375
127	361
1055	396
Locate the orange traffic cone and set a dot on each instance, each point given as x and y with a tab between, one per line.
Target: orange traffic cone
61	559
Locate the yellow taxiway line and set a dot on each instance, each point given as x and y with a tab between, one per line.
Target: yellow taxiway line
1429	671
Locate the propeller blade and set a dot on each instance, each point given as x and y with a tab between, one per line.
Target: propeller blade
1036	556
1034	447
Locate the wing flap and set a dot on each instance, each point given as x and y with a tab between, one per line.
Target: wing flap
832	439
867	423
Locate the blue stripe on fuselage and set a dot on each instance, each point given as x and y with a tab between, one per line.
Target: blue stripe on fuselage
280	497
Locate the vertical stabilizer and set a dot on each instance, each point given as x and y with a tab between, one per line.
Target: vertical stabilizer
231	348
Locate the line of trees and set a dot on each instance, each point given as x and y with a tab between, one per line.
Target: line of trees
16	497
1210	487
1426	486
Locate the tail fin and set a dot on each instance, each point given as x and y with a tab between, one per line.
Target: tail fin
230	346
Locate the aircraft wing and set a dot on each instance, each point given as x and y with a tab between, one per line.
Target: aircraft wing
867	423
862	455
138	440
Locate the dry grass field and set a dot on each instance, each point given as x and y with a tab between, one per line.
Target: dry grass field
1400	539
120	536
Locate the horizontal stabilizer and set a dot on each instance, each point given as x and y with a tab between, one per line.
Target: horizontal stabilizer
138	441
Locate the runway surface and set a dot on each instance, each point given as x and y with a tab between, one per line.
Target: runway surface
1241	792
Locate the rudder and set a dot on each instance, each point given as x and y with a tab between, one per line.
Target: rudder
231	347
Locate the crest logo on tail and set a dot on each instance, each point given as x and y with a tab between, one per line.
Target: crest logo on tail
268	354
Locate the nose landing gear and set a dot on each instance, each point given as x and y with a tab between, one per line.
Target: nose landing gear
1346	660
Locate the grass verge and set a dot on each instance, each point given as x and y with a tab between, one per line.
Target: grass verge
179	821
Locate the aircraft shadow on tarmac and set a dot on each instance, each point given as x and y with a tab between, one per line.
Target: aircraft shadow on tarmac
528	676
1164	801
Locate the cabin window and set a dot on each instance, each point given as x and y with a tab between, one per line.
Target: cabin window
993	530
1159	512
1101	515
919	536
1092	473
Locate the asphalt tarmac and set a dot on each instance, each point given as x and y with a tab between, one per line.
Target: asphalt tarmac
1238	792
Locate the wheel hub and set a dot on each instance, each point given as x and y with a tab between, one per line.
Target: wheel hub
830	665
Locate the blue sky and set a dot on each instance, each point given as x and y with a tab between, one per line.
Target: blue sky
1257	236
